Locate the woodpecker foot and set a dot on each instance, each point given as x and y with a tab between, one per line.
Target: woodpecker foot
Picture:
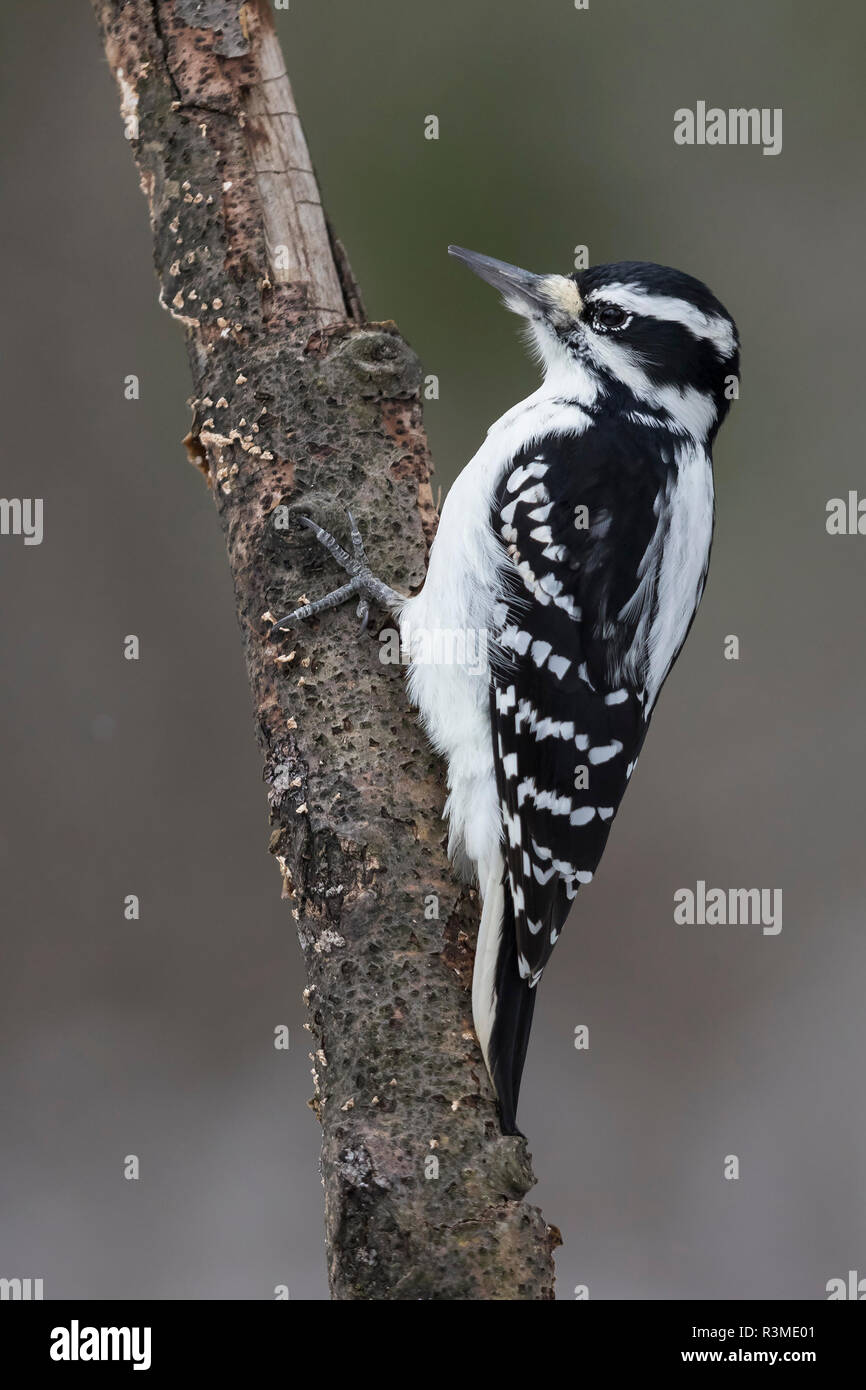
363	582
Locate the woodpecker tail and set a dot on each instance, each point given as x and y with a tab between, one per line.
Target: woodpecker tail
502	1003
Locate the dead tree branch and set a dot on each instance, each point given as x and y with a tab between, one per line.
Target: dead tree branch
301	407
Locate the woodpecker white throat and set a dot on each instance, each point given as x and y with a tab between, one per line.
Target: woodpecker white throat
572	552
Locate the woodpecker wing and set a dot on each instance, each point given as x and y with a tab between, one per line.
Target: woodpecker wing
579	518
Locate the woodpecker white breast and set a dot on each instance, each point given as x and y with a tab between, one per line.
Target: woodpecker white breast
572	553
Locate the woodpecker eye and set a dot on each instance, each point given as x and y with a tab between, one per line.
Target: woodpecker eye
610	316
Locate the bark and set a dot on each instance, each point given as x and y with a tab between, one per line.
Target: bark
300	406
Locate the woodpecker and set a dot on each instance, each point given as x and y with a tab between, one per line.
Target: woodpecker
573	550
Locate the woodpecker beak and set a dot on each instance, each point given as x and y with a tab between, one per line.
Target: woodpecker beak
523	292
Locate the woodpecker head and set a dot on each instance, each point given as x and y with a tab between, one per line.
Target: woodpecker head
627	332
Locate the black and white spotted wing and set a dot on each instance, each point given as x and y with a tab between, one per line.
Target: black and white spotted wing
577	518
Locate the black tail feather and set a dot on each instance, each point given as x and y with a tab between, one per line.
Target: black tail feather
509	1036
515	1003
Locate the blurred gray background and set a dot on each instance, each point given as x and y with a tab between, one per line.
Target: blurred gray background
155	1037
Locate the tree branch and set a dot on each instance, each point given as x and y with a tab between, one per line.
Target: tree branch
301	407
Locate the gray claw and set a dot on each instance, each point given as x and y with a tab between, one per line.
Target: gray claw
357	542
363	582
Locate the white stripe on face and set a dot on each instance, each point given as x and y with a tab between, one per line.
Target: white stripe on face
694	411
713	327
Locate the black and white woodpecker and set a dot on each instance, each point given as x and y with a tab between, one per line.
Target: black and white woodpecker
572	550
